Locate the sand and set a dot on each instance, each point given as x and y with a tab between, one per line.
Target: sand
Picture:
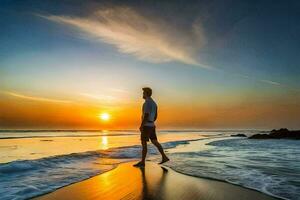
152	182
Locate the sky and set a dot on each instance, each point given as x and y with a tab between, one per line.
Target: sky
212	64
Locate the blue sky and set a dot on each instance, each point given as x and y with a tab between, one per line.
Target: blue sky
223	52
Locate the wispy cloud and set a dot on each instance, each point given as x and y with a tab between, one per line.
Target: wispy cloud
258	80
147	38
117	90
106	101
99	97
34	98
270	82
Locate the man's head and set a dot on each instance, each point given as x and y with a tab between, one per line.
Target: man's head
147	92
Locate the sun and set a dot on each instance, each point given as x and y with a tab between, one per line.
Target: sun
104	116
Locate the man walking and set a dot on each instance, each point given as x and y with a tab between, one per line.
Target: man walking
147	128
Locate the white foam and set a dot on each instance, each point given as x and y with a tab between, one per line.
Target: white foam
267	166
24	179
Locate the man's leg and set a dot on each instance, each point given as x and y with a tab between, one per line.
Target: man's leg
161	151
144	151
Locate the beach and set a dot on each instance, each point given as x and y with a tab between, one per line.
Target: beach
152	182
207	163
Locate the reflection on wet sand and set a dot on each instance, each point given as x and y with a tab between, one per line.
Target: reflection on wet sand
152	182
150	192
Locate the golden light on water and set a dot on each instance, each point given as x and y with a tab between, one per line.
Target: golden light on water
104	116
104	142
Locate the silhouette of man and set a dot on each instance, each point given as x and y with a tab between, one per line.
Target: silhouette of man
147	128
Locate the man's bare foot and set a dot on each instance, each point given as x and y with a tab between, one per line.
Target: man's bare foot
166	159
139	164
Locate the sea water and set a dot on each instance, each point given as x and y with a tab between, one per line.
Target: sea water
270	166
34	163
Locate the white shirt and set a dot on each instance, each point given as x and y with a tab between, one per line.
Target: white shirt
149	107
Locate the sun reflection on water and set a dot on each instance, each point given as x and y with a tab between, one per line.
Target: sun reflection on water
104	142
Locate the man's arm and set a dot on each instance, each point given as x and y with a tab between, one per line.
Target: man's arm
146	110
144	120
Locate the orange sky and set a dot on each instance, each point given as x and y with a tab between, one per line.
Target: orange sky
32	114
63	65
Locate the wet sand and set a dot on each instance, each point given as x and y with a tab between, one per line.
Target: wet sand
152	182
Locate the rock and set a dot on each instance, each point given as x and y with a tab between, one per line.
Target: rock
282	133
239	135
260	136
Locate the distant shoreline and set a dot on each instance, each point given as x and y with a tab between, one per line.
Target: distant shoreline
129	130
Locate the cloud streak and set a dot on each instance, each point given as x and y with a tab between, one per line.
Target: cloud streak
99	97
271	82
149	39
34	98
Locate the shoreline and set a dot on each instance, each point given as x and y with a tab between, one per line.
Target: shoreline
226	182
152	182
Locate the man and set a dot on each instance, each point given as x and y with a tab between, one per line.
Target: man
147	128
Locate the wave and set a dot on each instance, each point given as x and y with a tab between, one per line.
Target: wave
247	163
24	179
271	166
262	190
59	136
23	134
113	153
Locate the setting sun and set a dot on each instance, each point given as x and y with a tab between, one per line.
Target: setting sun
104	116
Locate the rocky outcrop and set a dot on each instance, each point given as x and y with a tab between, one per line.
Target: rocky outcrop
283	133
239	135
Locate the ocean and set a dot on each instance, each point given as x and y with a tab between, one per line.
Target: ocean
33	163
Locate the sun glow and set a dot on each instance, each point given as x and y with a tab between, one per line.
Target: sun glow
104	116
